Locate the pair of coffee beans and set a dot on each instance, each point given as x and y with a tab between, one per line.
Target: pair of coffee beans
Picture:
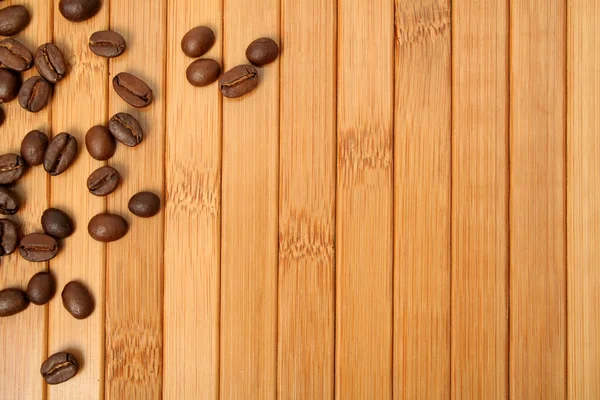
40	290
100	141
195	43
40	247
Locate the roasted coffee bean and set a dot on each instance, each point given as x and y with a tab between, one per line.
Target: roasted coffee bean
9	202
50	62
13	19
9	237
37	247
77	300
61	152
33	147
2	116
107	227
126	129
144	204
10	83
15	56
79	10
41	288
35	94
107	44
59	368
11	168
262	51
198	41
12	301
132	89
238	81
57	223
103	181
100	143
203	72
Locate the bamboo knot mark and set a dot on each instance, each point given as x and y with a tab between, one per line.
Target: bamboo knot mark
360	153
416	26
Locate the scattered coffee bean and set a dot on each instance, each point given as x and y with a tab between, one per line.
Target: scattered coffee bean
107	44
107	227
79	10
50	62
126	129
59	368
100	143
11	168
10	83
203	72
103	181
198	41
9	202
61	152
33	147
12	301
144	204
57	223
15	56
238	81
13	19
132	89
37	247
9	237
41	288
77	300
35	94
262	51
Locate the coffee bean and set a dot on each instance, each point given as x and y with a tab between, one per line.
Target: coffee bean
77	300
238	81
12	301
107	44
79	10
10	83
203	72
59	368
262	51
2	116
37	247
107	227
61	152
198	41
14	55
33	147
9	202
100	143
126	129
103	181
35	94
11	168
41	288
13	19
57	223
144	204
132	89
9	237
50	62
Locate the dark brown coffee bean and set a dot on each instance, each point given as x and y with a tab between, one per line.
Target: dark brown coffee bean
107	227
11	168
262	51
238	81
41	288
203	72
9	237
13	19
50	62
10	83
132	89
79	10
144	204
77	300
100	143
59	368
61	152
103	181
2	116
37	247
12	301
57	223
198	41
33	147
14	55
35	94
9	202
126	129
107	44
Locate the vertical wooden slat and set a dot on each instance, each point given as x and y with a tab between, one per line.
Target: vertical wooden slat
480	228
422	200
364	212
134	284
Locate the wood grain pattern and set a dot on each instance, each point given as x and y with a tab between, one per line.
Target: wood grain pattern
365	200
480	228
